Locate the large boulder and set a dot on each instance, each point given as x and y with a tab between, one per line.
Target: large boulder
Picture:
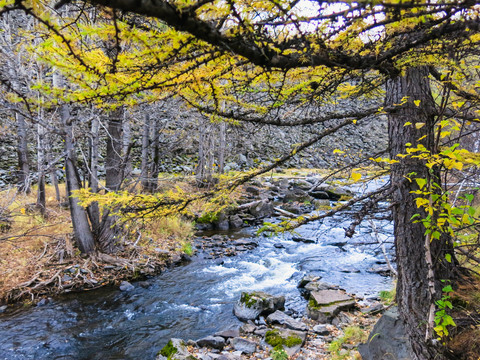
252	305
388	339
280	318
324	305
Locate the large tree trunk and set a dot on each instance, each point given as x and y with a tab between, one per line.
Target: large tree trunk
413	295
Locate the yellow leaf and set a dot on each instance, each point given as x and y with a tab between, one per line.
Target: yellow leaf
356	176
458	165
22	210
354	121
407	123
336	151
419	125
417	102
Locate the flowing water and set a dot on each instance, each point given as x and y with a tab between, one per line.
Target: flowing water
193	300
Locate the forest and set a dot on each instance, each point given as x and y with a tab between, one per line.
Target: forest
237	179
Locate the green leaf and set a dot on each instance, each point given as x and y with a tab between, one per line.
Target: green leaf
421	182
447	288
448	257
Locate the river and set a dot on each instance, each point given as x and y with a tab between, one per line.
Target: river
195	299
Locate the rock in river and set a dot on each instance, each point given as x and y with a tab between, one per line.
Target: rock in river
126	286
252	305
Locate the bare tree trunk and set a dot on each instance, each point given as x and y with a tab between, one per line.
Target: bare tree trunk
155	163
41	164
222	147
53	174
93	209
107	237
413	295
22	151
206	151
81	227
127	143
145	145
113	158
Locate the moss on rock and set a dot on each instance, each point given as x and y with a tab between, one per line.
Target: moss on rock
169	350
274	338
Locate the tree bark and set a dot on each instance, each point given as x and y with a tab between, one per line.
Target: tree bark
413	295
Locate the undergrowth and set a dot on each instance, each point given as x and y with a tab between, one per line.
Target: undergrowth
353	335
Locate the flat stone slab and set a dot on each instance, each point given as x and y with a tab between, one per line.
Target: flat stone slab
326	297
281	318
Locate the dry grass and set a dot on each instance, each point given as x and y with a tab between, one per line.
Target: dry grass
24	246
36	252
